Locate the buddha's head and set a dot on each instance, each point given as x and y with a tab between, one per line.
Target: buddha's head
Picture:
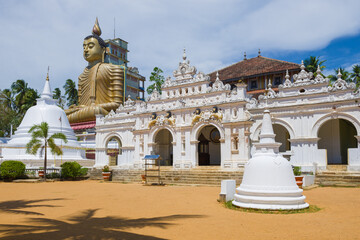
94	45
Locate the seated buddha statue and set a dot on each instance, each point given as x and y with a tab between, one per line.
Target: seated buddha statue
100	87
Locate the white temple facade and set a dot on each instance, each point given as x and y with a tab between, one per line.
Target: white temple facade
195	122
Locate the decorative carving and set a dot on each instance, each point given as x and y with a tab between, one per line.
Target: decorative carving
167	82
155	95
303	76
207	115
252	103
184	71
341	84
269	93
202	77
216	114
129	103
161	120
218	85
287	82
319	78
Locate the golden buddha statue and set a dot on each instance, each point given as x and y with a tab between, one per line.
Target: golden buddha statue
100	87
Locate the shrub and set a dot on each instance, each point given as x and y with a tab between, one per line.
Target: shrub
12	169
53	175
72	170
297	170
106	168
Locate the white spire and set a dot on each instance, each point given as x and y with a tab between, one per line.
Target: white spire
47	90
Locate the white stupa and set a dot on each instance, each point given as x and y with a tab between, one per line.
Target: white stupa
45	110
268	181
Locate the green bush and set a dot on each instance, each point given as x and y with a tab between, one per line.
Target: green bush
297	170
12	169
72	170
53	175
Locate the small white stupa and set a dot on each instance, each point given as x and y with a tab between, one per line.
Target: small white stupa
268	181
45	110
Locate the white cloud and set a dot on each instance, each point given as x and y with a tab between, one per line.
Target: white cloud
215	33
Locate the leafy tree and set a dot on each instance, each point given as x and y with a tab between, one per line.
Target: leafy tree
61	99
311	64
157	78
71	92
40	139
355	75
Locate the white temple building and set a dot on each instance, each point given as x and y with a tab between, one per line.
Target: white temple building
45	110
195	122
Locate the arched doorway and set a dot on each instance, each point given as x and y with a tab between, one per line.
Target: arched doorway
282	136
163	147
113	150
337	136
209	147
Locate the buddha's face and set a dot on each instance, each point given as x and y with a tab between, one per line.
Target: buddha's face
92	50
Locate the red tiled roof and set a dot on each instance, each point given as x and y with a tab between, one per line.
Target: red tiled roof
253	67
83	125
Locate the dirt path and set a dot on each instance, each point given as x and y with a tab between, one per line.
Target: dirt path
98	210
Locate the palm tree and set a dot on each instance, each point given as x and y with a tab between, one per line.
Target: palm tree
30	99
40	139
19	88
71	92
312	63
57	95
355	75
7	98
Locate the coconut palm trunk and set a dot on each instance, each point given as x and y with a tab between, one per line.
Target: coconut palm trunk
45	160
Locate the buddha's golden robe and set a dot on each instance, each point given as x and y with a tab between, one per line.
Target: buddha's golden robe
100	90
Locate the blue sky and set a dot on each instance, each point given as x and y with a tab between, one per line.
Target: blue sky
215	33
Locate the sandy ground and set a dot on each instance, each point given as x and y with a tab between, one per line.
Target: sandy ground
99	210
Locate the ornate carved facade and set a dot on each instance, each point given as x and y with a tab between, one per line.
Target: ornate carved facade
195	122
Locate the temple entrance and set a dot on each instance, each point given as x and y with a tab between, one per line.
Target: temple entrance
282	136
337	136
113	150
163	147
209	147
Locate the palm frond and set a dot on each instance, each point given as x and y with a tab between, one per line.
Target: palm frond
59	136
36	126
35	148
54	148
31	144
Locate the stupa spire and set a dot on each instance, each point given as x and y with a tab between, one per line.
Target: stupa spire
46	93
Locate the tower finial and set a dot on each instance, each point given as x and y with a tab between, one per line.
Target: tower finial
47	76
184	54
96	29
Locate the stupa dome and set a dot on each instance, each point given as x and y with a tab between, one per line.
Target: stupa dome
268	181
45	110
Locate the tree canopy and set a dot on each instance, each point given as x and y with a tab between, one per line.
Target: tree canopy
157	80
71	92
